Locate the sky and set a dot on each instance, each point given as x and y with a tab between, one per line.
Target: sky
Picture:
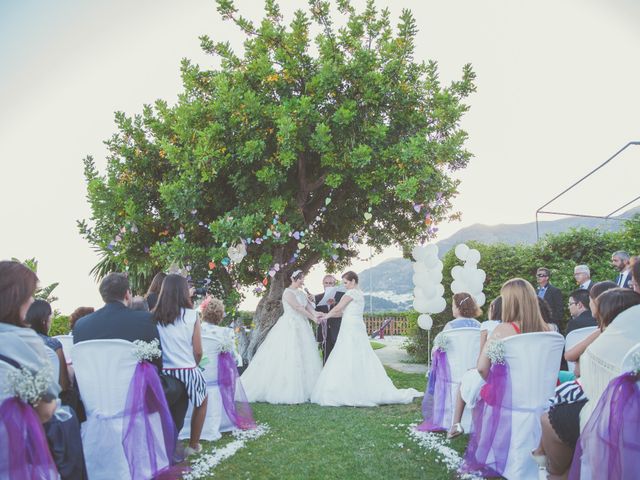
557	95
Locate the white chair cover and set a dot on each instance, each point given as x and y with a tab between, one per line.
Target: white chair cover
215	410
534	363
55	363
574	337
627	362
463	348
67	345
104	369
5	369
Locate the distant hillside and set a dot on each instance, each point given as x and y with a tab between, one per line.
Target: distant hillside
390	283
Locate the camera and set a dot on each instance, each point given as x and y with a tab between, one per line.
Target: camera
200	287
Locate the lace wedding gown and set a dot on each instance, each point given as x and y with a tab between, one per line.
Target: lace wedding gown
287	364
353	374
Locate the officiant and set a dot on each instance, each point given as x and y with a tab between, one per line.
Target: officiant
325	302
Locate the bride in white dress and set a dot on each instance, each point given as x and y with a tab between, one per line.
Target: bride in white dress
287	364
353	374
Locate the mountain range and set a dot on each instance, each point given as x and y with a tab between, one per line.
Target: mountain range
389	285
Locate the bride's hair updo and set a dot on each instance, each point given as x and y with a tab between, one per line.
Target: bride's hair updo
351	276
296	275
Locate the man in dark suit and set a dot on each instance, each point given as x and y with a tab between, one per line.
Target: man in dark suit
552	295
620	261
117	321
579	309
333	324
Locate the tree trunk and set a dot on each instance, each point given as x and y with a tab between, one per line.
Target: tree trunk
268	311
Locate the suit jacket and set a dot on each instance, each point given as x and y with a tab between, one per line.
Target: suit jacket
553	296
589	285
116	321
626	280
325	308
585	319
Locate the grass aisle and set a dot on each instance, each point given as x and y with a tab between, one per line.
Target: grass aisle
313	442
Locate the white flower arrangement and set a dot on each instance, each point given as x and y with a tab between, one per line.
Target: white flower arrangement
441	342
203	465
28	386
496	351
226	346
147	351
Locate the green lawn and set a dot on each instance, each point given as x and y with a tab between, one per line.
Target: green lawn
377	345
313	442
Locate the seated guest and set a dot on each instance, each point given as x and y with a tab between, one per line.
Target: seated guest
579	309
212	313
78	313
545	311
22	348
116	321
465	310
138	303
179	331
599	364
573	354
154	290
39	318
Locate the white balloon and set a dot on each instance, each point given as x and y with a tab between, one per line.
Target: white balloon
416	278
418	293
439	290
429	291
431	262
439	266
480	299
419	268
425	321
431	249
418	253
456	272
461	251
457	286
437	306
421	306
481	275
473	257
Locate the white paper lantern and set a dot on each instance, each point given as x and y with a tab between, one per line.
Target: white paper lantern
425	321
461	251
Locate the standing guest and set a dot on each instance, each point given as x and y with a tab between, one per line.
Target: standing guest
154	289
22	348
179	331
465	310
582	275
39	318
635	275
78	313
579	309
620	261
116	321
333	324
551	294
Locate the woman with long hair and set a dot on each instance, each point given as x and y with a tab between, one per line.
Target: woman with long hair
287	364
154	289
181	340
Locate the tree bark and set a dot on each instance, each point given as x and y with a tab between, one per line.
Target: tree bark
268	311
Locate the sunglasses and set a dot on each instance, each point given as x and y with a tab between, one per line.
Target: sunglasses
541	275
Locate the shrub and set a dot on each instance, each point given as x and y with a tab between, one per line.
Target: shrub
59	325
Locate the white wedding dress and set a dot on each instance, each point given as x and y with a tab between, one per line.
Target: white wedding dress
287	364
353	374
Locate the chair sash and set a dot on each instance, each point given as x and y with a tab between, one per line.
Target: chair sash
433	403
489	442
234	399
609	445
24	443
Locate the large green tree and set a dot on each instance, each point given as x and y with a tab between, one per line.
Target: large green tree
315	140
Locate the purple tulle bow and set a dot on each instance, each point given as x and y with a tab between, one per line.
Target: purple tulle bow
609	445
436	395
489	442
234	399
23	443
145	403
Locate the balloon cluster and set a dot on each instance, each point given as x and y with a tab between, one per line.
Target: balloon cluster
427	278
468	278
